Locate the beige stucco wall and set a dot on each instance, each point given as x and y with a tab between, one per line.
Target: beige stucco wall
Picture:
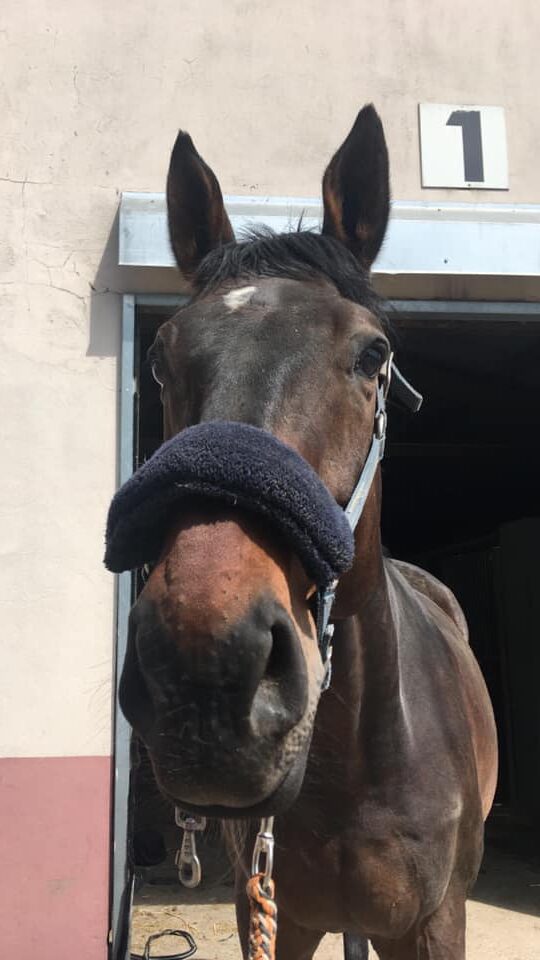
91	96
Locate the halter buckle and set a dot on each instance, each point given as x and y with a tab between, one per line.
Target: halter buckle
381	421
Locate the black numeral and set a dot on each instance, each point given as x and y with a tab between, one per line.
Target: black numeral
471	131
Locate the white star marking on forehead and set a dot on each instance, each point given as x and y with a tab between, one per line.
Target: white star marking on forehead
238	298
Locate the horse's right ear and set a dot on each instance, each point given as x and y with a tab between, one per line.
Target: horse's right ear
197	218
356	189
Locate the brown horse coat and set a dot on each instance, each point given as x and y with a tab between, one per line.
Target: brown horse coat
381	785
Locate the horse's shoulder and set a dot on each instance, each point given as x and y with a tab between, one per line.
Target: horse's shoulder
425	585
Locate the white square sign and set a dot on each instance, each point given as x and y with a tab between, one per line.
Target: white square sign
463	146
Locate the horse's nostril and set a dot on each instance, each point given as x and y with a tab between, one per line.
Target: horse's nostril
281	658
280	699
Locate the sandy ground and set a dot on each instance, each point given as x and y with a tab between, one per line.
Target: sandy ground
503	917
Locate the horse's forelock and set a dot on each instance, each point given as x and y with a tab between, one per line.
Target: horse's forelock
299	255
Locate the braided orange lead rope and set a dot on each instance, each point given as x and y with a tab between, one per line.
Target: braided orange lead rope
262	918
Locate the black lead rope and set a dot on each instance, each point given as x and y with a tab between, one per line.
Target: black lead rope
191	948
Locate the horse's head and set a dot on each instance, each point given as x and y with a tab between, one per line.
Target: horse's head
223	673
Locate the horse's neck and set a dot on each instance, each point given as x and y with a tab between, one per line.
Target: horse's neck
363	713
366	660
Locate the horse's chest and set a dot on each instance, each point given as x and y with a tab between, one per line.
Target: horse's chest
367	887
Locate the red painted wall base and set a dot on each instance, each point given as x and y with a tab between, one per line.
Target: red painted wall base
54	856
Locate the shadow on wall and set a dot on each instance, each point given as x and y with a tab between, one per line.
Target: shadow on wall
111	282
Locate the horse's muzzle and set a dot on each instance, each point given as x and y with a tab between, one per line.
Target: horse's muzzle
217	713
222	673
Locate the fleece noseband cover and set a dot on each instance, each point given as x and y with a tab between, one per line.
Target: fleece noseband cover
242	466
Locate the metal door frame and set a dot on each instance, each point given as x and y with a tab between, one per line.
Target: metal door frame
121	893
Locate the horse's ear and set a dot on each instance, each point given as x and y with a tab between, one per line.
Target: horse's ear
197	218
356	189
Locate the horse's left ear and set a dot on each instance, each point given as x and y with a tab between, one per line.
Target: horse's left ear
356	189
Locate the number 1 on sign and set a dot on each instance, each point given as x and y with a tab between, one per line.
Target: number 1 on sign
471	132
473	157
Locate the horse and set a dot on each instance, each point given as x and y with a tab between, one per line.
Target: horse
381	784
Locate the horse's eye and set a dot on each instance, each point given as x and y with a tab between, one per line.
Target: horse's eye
370	361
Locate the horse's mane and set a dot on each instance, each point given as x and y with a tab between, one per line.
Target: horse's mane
298	255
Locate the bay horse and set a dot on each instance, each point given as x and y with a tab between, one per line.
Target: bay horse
383	783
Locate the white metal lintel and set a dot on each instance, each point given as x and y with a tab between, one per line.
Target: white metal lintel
424	237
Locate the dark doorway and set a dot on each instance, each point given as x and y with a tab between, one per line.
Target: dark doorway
462	499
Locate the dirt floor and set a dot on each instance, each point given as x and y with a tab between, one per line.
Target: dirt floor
503	916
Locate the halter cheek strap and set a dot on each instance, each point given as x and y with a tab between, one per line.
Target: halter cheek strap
355	507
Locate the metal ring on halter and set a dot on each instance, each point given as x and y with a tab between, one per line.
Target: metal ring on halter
189	821
264	846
